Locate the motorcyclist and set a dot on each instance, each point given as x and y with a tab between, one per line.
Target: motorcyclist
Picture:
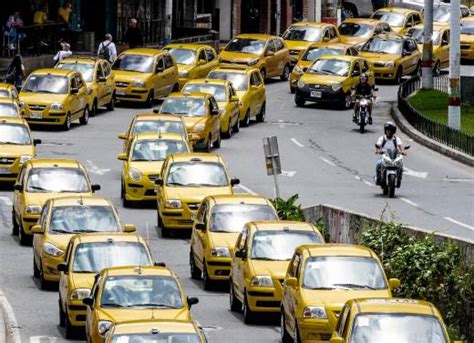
363	89
386	142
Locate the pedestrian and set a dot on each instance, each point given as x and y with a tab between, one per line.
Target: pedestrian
63	53
41	16
133	36
13	30
16	71
107	49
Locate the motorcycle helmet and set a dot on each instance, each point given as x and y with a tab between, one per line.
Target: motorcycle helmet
390	125
364	78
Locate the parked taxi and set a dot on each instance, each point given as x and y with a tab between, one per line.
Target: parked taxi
319	280
40	180
8	91
99	78
194	61
55	97
267	53
357	31
143	75
9	108
143	162
262	253
467	38
399	19
219	221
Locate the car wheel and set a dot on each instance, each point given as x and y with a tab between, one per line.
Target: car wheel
228	133
15	227
264	74
62	321
24	238
261	115
125	202
350	11
246	121
398	76
207	282
236	127
299	100
297	338
285	336
67	122
249	315
150	100
437	69
111	105
36	271
346	101
94	108
85	116
217	143
234	302
286	73
195	271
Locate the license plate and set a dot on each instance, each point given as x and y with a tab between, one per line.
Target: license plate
316	94
5	171
36	115
120	92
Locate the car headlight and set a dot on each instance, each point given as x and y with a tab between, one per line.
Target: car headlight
57	107
390	64
184	73
252	62
21	104
262	281
220	252
318	312
301	83
135	174
24	158
297	69
52	250
79	293
173	203
103	326
138	84
199	127
335	87
33	209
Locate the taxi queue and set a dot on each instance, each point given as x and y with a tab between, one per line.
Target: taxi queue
109	286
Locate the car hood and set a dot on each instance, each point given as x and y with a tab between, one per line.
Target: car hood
82	280
42	98
304	64
190	122
130	76
467	38
297	44
184	67
322	79
376	57
16	150
60	240
335	299
195	194
147	167
277	269
237	56
41	198
353	40
224	239
123	315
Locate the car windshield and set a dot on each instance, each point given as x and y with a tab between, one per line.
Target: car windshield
239	80
86	69
330	67
57	180
184	56
218	91
162	337
400	328
164	126
93	257
467	28
195	174
232	218
383	46
188	107
157	149
8	110
15	134
137	63
418	36
147	291
355	29
4	93
442	14
83	218
391	18
246	46
280	245
333	272
46	84
304	33
313	53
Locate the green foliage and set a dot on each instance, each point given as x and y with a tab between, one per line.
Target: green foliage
427	270
288	209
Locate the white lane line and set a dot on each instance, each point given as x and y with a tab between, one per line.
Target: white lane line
246	189
409	202
357	177
94	169
43	339
457	180
408	171
289	173
297	143
458	223
325	160
368	183
6	200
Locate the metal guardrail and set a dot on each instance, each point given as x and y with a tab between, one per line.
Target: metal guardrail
435	130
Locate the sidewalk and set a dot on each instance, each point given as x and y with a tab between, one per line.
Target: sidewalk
9	330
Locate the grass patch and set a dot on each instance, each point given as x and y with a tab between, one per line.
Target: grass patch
433	104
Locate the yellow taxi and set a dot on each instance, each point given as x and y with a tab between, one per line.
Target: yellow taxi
267	53
60	219
160	330
399	19
357	31
87	255
201	115
319	280
373	320
16	147
392	57
185	180
143	162
8	91
440	44
442	13
299	36
9	108
40	180
262	253
194	61
143	75
219	221
312	53
249	87
330	79
100	81
55	97
122	294
227	101
467	38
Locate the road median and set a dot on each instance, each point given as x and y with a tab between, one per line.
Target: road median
9	329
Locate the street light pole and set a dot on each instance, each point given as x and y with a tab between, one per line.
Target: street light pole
427	61
278	17
454	112
168	21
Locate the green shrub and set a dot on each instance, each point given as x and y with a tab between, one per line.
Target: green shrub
288	209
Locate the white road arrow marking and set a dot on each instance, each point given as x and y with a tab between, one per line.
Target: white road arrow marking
409	172
94	169
458	223
246	189
409	202
289	173
297	143
6	200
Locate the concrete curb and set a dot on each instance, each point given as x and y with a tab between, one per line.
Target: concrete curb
407	128
9	325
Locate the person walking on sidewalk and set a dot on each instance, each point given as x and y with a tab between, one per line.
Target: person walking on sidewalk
16	71
63	53
107	49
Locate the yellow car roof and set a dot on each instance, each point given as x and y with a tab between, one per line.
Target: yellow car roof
13	120
196	157
146	326
106	237
143	51
311	24
82	59
248	199
89	200
157	117
190	46
7	100
469	19
436	26
136	270
189	95
208	81
367	21
260	36
392	305
400	10
389	35
272	225
54	162
158	136
330	45
337	250
52	71
340	57
4	85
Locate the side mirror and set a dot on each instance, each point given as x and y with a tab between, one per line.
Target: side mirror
102	79
200	226
88	301
234	182
192	301
17	187
305	70
95	187
74	90
159	70
242	253
405	52
356	73
129	228
291	282
407	147
234	98
122	156
62	267
394	283
37	229
159	181
336	340
214	112
122	135
159	264
269	53
36	141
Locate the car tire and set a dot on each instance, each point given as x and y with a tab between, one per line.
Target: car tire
228	133
350	11
25	240
285	336
15	227
85	116
111	105
207	282
398	76
94	109
286	73
299	100
217	142
234	302
246	121
150	100
36	271
62	319
67	122
249	315
261	115
195	271
236	127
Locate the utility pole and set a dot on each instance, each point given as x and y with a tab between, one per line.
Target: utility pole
278	17
454	112
427	60
339	12
168	21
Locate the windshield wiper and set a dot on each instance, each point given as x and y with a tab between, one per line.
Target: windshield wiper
10	143
112	305
322	288
86	231
153	305
353	285
269	259
141	160
84	271
62	231
38	188
45	91
176	184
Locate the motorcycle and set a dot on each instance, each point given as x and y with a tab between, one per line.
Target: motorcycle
391	170
362	113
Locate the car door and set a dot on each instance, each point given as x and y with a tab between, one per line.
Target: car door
101	84
281	51
271	60
110	81
73	97
408	24
212	60
234	105
408	59
443	50
158	77
199	239
38	239
170	74
63	279
293	293
240	266
82	95
258	88
18	195
214	120
342	323
201	64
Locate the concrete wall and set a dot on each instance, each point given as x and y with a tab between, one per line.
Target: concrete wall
225	24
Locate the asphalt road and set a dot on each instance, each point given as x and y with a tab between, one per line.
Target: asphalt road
325	160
